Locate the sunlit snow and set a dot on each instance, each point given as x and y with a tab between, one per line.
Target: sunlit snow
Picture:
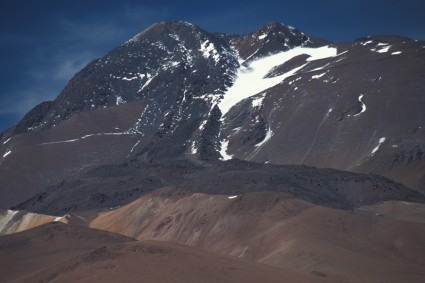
119	100
223	150
257	102
150	78
88	136
193	148
363	105
232	197
367	42
7	141
7	153
251	80
208	49
129	79
318	76
266	139
383	50
262	36
396	53
381	141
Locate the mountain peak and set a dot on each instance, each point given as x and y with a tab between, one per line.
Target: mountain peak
276	26
165	27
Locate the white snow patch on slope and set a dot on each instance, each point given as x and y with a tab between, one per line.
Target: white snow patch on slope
119	100
318	76
250	79
193	148
266	139
223	150
7	153
88	136
383	50
208	49
363	105
396	53
367	42
150	78
257	102
262	36
232	197
129	79
7	141
381	141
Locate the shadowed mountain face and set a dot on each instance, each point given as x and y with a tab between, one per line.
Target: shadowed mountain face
276	147
114	186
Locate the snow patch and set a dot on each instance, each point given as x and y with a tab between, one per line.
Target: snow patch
223	150
119	100
396	53
88	136
367	42
129	79
266	139
7	141
251	80
193	148
202	126
150	78
232	197
318	76
363	105
383	50
7	153
257	102
261	37
208	49
381	141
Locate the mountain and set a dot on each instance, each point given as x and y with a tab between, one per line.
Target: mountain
276	126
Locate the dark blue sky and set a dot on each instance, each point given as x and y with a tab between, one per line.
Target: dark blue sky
44	43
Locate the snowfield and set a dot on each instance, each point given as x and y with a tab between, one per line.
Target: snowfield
250	79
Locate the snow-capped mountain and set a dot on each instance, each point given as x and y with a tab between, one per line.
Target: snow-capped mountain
176	94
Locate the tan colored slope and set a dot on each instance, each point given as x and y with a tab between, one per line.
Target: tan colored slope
16	221
279	230
29	251
400	210
157	262
13	221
